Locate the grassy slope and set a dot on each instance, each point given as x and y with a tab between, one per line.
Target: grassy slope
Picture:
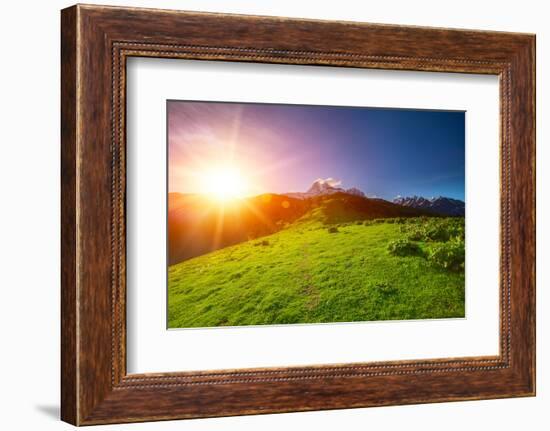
305	275
195	220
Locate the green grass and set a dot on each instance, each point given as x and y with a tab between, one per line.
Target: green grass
306	274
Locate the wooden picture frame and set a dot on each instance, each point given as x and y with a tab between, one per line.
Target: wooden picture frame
95	43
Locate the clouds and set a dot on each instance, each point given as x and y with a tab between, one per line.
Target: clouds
329	182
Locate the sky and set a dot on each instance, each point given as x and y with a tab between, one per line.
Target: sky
284	148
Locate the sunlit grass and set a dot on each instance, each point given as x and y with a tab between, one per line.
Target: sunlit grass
306	274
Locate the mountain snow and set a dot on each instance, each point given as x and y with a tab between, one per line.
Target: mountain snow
440	204
321	187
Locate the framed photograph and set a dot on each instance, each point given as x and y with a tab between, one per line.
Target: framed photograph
257	235
266	215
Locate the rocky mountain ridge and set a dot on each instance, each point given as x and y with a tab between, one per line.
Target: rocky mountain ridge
322	187
440	205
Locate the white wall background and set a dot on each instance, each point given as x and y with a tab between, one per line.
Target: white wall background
29	214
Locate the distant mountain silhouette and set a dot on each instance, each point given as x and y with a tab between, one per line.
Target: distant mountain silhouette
439	205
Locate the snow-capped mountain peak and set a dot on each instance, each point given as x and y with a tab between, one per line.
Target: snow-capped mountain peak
321	187
441	205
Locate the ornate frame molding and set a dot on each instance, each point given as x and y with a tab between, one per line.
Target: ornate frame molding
96	41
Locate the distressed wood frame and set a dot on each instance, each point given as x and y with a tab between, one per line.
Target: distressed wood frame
95	43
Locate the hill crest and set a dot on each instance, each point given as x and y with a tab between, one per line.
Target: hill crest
198	225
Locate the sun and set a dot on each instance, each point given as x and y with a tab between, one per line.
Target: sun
224	183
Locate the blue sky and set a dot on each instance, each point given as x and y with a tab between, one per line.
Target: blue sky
282	148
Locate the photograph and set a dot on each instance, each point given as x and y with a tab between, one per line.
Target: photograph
302	214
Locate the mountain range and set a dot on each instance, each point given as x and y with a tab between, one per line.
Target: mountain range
198	225
439	205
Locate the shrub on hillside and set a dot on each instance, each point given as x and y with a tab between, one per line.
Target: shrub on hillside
455	228
333	229
449	255
416	234
435	229
436	232
403	247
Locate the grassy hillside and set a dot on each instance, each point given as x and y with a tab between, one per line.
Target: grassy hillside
313	272
198	225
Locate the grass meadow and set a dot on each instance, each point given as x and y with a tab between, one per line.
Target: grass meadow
311	272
